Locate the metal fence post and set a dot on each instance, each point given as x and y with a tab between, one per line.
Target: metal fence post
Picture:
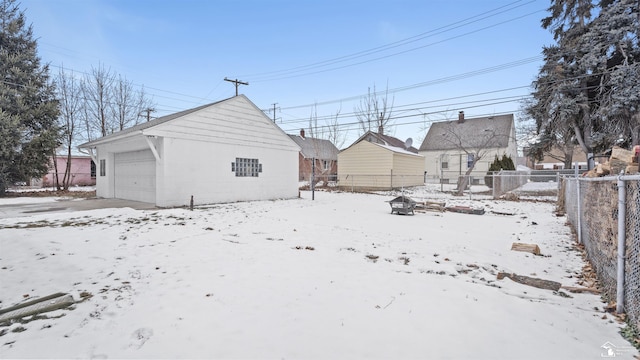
622	195
579	217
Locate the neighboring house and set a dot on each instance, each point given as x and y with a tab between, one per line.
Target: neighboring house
324	153
82	171
376	161
554	159
221	152
450	147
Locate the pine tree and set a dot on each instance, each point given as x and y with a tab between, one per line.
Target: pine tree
28	107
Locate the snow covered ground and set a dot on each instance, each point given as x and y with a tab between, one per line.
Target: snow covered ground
338	277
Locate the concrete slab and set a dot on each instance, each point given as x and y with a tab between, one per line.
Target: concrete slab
67	205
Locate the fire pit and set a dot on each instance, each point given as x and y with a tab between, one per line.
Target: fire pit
402	205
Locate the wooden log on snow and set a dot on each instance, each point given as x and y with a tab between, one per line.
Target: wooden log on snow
431	206
535	282
575	289
465	210
531	248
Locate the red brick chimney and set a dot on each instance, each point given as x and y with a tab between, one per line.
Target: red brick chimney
460	117
302	133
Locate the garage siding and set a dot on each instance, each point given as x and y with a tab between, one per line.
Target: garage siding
135	176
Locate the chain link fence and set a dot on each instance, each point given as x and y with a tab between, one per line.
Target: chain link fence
591	206
366	182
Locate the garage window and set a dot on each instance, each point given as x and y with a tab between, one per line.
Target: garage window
244	167
103	167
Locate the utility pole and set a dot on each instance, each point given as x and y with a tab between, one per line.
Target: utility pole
274	112
237	83
149	110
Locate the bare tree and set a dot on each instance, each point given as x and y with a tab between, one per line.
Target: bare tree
335	134
324	139
475	146
374	112
128	104
97	90
428	120
70	98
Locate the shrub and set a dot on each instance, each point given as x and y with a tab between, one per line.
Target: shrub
504	163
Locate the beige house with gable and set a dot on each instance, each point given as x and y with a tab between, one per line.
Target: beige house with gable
378	162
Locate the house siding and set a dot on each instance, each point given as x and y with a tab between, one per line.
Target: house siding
234	123
408	170
80	171
368	166
211	179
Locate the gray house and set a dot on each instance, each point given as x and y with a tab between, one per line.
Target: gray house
450	147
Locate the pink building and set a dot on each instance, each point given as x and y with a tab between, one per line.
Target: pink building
83	171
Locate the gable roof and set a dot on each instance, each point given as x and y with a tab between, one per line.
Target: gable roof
382	139
396	149
318	148
153	126
146	125
490	131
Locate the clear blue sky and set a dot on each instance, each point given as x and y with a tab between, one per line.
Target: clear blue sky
436	57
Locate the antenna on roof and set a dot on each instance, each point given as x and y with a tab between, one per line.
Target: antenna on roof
408	143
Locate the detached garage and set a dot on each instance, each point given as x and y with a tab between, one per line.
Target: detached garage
221	152
376	162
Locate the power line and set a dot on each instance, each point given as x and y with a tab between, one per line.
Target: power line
281	74
428	83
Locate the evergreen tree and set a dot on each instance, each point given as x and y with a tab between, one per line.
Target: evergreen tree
588	90
28	107
613	43
498	164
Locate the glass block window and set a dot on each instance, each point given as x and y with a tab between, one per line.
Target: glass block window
246	167
103	167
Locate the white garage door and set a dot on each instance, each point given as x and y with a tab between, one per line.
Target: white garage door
135	176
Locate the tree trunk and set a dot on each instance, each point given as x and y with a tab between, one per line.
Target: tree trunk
635	135
67	170
55	170
568	156
463	181
3	187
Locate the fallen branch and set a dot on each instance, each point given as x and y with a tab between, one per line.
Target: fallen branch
465	210
535	282
575	289
502	213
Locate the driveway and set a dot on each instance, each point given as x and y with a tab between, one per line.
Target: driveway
26	206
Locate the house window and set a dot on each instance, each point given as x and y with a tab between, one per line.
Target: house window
470	158
103	167
246	167
93	170
444	161
326	164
